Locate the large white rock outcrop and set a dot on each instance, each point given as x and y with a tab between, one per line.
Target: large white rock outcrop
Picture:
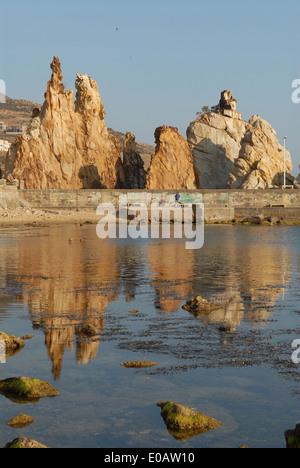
260	163
215	142
232	153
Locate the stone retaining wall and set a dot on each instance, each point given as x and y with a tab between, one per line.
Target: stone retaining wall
220	205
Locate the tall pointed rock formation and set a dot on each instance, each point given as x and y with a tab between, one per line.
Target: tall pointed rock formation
67	145
172	164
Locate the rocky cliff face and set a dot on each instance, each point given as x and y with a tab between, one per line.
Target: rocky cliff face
67	145
132	174
260	163
297	182
215	142
172	165
232	153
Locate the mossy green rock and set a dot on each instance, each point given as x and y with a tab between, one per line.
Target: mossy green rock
183	422
25	389
292	437
24	443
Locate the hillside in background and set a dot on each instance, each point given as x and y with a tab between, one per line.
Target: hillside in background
16	111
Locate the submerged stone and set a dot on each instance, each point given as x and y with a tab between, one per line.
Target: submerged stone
13	345
183	422
18	422
24	443
87	330
199	306
25	389
292	437
27	337
139	364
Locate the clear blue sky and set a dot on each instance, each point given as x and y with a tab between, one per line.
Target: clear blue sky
167	59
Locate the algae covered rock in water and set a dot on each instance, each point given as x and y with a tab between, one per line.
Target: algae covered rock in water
184	422
24	443
199	306
292	437
24	389
18	422
138	364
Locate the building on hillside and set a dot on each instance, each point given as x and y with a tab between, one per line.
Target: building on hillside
16	130
4	145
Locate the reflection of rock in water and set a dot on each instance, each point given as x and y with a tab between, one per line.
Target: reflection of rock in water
86	351
130	259
247	279
67	286
228	314
61	296
172	269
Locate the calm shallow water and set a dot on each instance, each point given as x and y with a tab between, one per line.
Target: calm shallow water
234	365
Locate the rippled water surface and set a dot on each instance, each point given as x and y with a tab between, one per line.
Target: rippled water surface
233	364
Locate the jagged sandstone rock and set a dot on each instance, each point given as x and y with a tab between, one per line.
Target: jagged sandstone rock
232	153
228	105
67	145
133	172
172	164
297	182
260	164
214	140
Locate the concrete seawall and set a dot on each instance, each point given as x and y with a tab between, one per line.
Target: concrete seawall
220	205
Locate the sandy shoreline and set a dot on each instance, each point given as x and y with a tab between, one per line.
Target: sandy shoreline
33	217
37	217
